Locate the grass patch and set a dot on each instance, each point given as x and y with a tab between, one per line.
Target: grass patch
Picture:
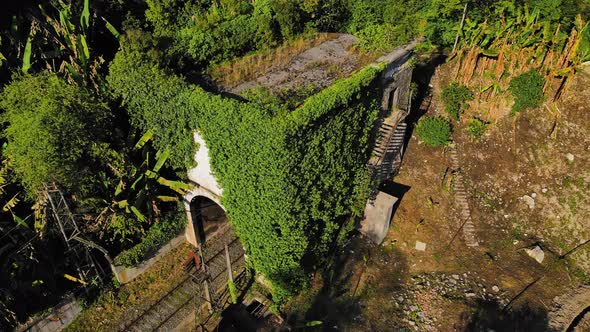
476	128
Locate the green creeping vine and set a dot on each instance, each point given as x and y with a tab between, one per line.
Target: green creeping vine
288	177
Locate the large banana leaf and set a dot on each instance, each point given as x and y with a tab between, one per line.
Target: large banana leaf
27	53
138	214
85	17
167	198
161	159
144	139
112	29
82	51
177	186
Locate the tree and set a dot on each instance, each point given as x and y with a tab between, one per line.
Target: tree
54	131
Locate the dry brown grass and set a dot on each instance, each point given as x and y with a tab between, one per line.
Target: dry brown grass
249	67
476	70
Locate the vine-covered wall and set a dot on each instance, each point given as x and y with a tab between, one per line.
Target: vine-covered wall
286	177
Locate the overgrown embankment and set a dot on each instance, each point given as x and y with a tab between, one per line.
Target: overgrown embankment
288	176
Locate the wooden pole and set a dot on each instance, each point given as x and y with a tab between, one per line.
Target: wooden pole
228	261
461	26
207	295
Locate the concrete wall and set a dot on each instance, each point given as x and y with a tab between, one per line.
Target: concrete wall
202	174
205	185
60	317
126	274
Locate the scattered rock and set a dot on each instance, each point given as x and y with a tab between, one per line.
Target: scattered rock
544	190
529	201
469	294
536	253
495	289
420	246
455	276
534	195
570	157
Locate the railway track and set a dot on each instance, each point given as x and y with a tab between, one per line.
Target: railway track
189	294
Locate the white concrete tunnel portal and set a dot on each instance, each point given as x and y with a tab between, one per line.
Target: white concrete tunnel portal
205	213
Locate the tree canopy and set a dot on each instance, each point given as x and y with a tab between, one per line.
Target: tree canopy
55	130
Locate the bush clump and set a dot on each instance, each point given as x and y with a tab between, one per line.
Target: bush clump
455	97
54	130
527	90
160	233
476	128
434	131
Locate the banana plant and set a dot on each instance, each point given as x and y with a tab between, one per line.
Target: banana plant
140	190
8	201
70	38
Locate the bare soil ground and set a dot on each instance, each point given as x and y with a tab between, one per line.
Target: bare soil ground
450	287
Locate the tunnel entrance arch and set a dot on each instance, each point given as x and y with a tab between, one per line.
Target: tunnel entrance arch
208	218
205	215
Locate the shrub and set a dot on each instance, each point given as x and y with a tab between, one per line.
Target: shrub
455	98
434	131
168	228
476	128
378	38
527	90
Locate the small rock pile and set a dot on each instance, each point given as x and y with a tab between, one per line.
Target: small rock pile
416	302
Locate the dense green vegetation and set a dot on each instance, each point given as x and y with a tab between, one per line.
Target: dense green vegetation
55	130
102	98
288	210
527	90
434	131
162	232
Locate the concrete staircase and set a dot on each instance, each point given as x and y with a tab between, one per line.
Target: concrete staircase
467	225
386	158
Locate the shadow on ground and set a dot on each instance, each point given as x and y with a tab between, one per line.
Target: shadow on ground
490	316
349	289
